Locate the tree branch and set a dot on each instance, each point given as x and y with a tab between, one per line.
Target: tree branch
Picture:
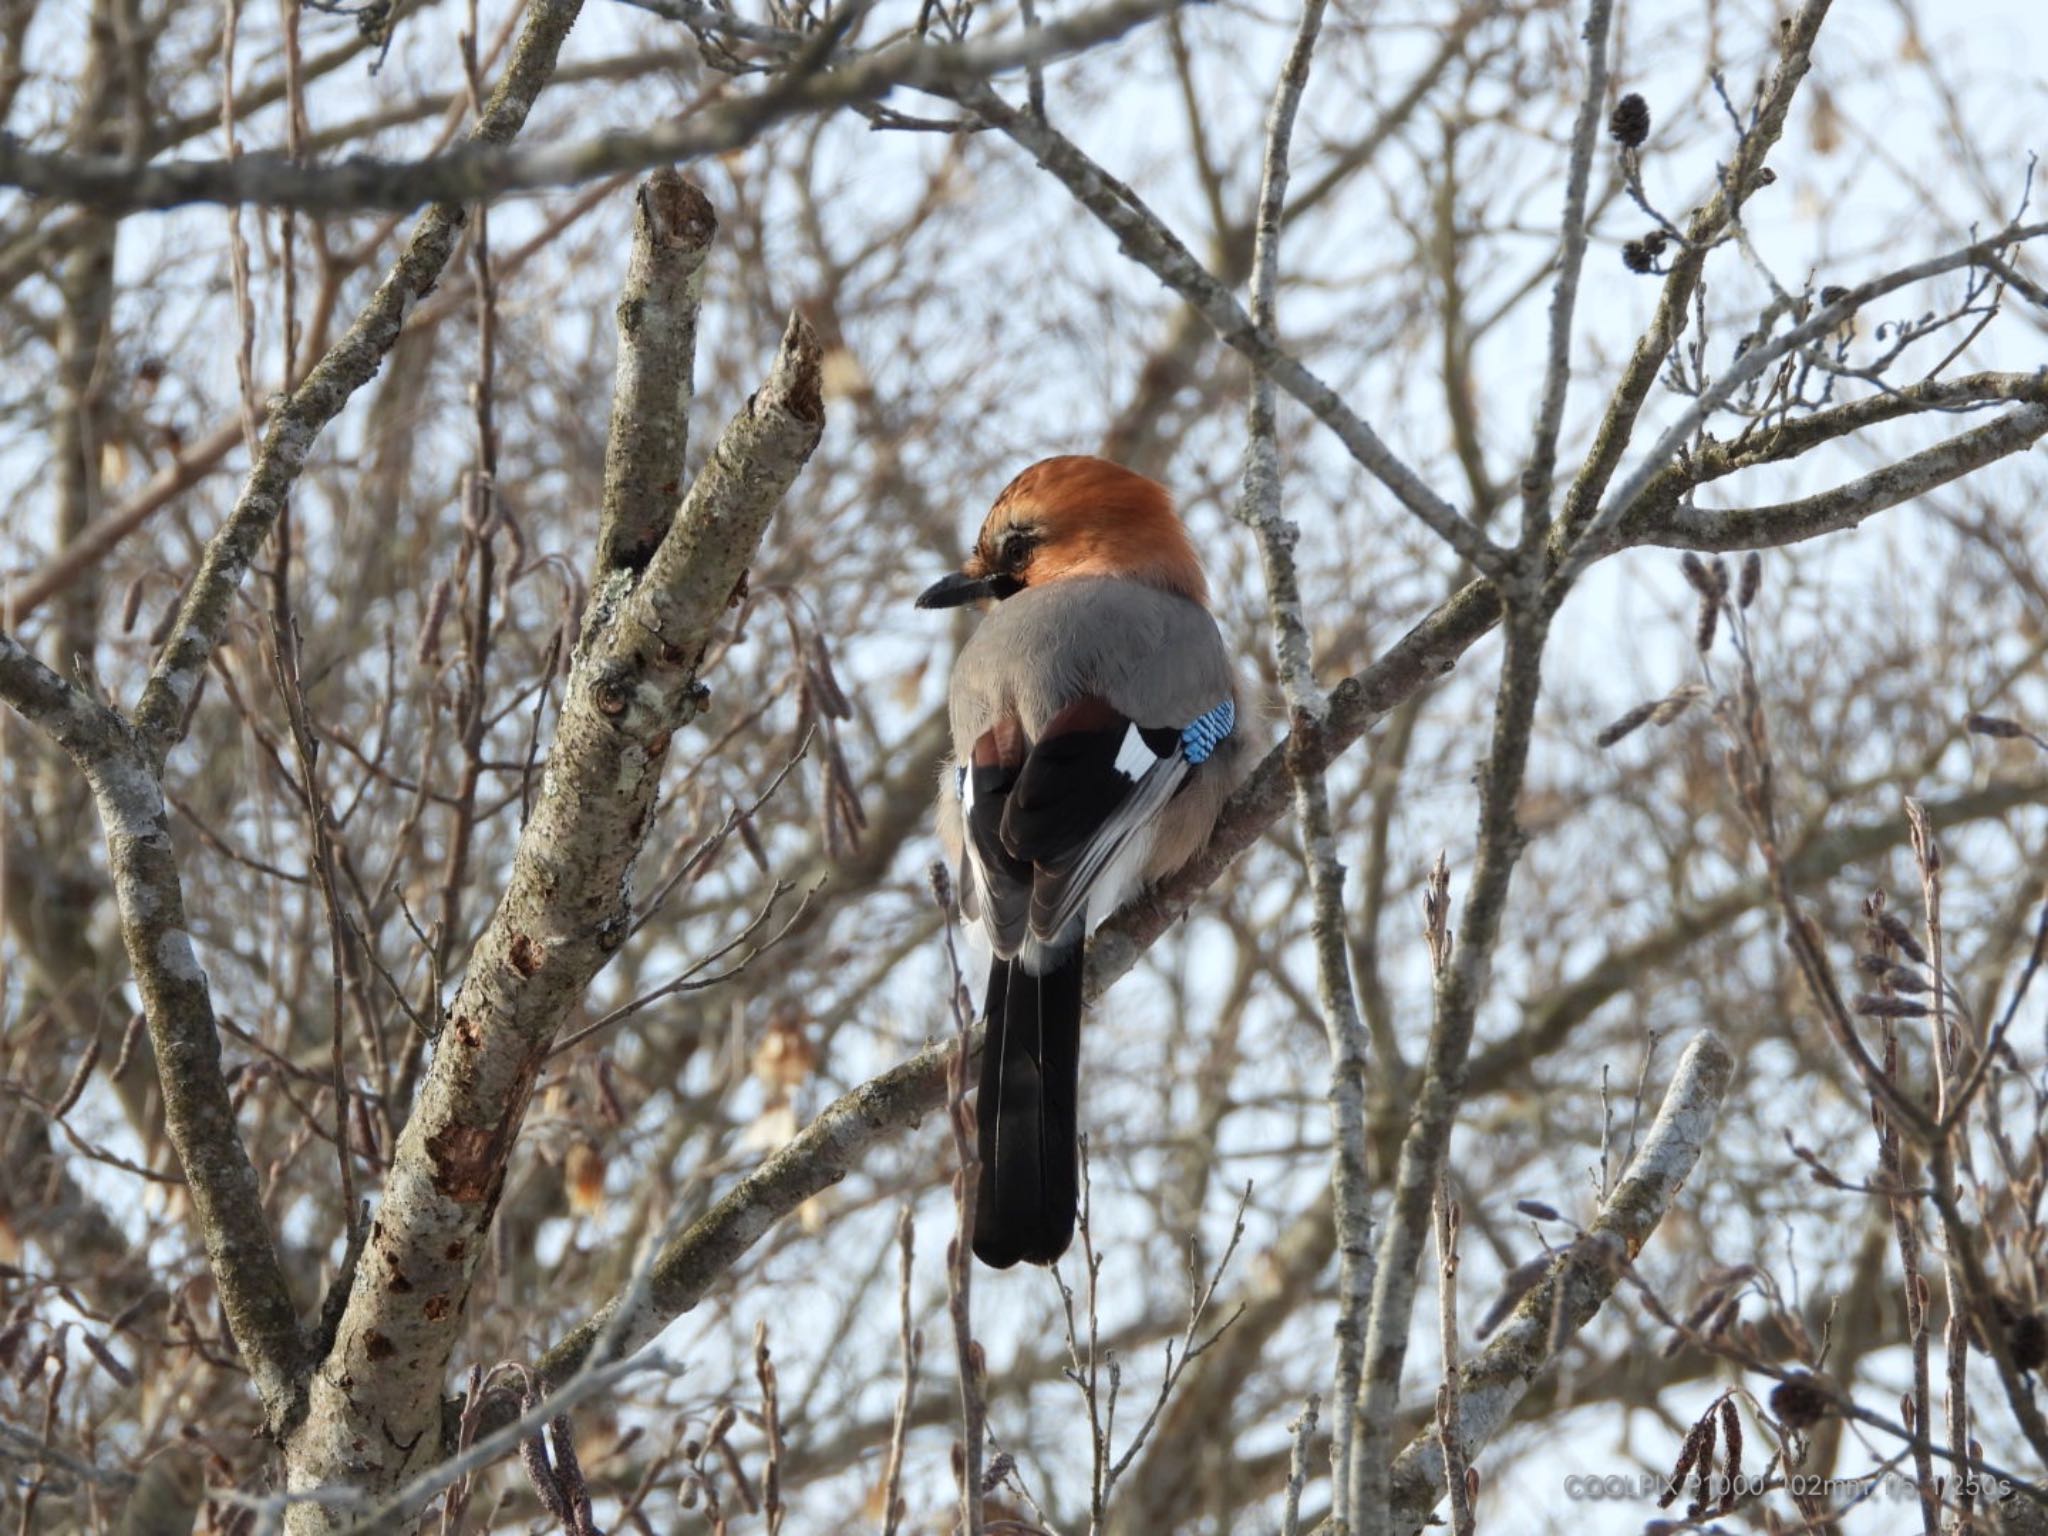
1847	505
1564	295
484	170
350	364
1460	985
1260	508
1582	1279
375	1410
1707	226
1145	238
1659	513
199	1115
833	1144
1751	365
650	430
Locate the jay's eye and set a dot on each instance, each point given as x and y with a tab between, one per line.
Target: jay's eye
1014	552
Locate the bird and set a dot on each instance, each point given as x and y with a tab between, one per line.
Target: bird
1093	715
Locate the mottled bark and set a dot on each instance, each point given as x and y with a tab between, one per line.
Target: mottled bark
374	1416
220	1181
650	429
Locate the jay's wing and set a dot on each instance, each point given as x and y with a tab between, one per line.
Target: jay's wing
1087	793
999	881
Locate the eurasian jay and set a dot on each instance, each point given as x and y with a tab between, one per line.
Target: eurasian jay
1094	740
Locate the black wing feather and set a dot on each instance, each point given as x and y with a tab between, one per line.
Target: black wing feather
1003	879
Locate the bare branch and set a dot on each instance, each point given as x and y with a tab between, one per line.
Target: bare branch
1660	515
296	425
1144	237
1260	507
650	431
1708	224
198	1113
485	170
1847	505
1580	1281
1564	295
1751	365
1459	987
565	911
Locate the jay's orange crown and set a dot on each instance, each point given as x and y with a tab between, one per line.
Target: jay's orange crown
1075	516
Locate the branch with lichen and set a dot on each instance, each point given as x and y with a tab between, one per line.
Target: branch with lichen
566	909
1580	1279
199	1115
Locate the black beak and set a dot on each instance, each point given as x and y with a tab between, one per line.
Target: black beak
955	588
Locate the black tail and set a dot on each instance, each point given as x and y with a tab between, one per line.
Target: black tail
1030	1076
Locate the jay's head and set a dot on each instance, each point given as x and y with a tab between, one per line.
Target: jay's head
1070	517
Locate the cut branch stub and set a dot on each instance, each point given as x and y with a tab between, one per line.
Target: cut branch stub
673	226
705	555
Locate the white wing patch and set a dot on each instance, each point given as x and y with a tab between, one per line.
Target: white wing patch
1134	759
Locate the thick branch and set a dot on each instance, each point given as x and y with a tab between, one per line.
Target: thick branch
696	572
199	1116
650	431
123	767
375	1412
1847	505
